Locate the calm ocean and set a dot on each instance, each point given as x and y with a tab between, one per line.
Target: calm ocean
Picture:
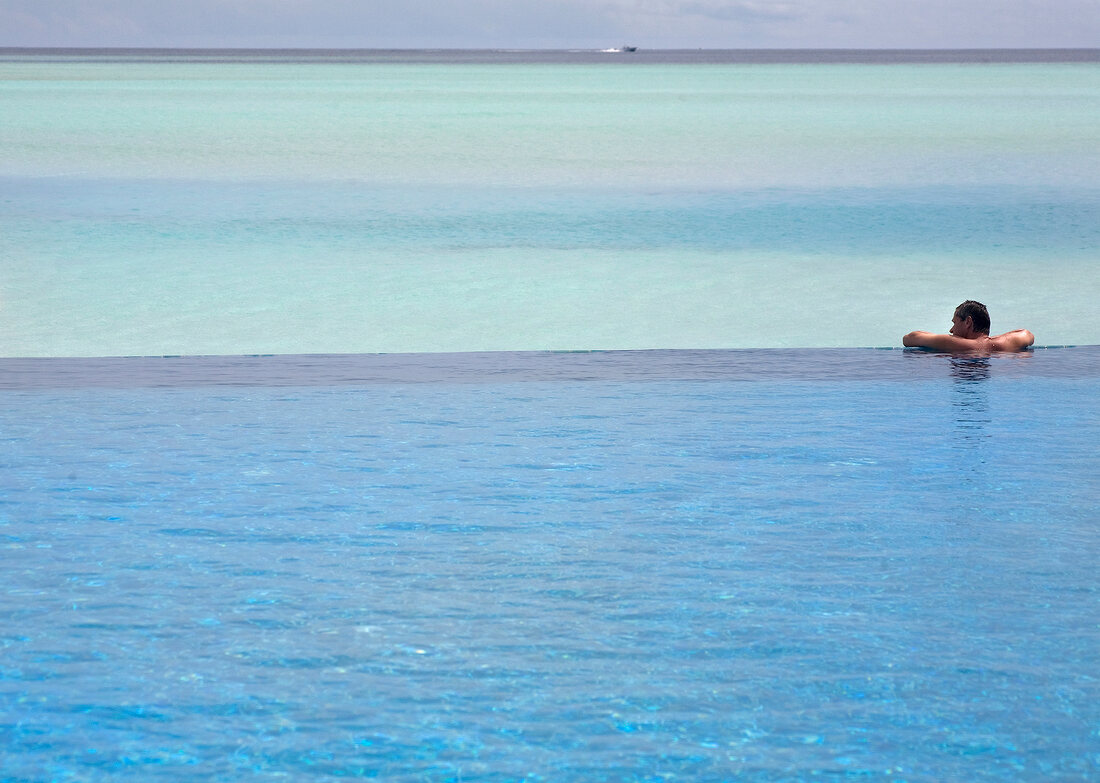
166	202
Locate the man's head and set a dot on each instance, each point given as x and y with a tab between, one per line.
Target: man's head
971	319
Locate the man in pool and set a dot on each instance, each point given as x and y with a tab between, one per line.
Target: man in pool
970	333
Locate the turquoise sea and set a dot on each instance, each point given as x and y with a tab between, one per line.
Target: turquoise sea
237	202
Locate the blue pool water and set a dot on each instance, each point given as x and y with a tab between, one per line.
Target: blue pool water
703	565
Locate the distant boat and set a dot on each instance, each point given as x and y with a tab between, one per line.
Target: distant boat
620	49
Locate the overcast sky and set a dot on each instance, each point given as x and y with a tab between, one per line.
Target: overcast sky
553	24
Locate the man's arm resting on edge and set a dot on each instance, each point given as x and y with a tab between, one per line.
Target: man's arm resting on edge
937	342
1016	340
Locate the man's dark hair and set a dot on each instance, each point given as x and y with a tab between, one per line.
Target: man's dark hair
976	312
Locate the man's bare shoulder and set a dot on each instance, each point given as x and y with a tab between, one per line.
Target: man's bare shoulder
1016	340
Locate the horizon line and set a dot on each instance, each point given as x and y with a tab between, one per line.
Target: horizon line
6	47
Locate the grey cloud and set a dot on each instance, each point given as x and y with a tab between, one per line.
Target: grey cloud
551	23
741	12
370	23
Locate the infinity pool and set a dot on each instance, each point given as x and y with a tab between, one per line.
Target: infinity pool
702	565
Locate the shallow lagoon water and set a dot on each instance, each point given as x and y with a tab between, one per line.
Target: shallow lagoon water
166	203
763	565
